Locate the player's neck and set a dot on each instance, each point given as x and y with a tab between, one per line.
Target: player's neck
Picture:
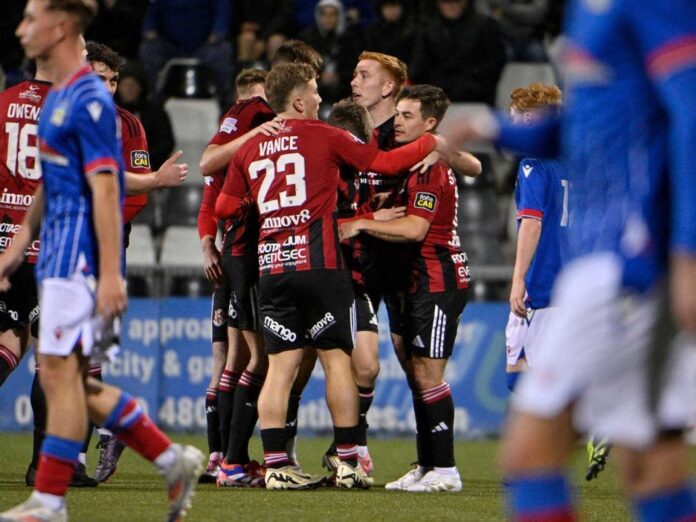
42	73
64	58
292	115
382	111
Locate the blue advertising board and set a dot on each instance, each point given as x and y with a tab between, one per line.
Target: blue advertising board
165	362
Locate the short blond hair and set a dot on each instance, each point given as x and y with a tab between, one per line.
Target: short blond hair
395	68
83	11
246	80
283	79
535	96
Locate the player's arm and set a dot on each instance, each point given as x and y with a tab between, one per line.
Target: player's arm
170	174
111	296
408	229
207	230
234	198
31	224
527	242
216	157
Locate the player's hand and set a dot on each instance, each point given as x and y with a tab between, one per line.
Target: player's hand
171	173
9	263
348	229
379	199
271	128
211	263
683	291
479	127
387	214
423	165
111	296
517	295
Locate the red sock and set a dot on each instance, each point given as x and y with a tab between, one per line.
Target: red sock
53	475
132	426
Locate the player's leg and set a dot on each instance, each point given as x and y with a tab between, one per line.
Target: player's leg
309	360
119	412
220	305
13	343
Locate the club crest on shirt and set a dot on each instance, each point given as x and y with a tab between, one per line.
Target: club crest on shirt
140	159
58	114
95	110
527	169
426	201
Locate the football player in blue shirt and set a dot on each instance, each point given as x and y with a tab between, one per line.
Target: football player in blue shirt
79	271
613	365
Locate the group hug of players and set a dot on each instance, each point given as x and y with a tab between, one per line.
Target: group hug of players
319	228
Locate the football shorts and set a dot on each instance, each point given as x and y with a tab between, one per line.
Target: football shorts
219	314
307	308
242	273
19	306
523	335
597	354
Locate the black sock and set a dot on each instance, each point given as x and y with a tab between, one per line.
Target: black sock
212	420
291	417
244	417
38	406
439	423
228	383
366	396
346	440
274	443
425	457
8	362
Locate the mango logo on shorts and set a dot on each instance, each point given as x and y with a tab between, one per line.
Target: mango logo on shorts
140	159
426	201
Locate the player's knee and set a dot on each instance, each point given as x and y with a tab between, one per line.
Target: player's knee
366	372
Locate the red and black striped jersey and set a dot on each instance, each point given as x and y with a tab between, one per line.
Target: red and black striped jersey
20	169
136	158
440	263
293	177
241	234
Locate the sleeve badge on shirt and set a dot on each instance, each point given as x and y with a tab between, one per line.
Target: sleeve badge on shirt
95	110
58	114
140	159
527	170
426	201
229	125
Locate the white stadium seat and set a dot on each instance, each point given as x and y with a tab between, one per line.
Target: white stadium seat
181	248
141	248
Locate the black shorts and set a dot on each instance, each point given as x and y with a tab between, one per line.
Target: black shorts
365	314
307	308
19	306
432	322
242	273
219	314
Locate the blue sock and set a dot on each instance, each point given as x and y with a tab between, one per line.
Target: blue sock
668	506
511	379
62	449
540	497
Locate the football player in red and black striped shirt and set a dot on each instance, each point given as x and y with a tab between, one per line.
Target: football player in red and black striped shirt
304	288
437	292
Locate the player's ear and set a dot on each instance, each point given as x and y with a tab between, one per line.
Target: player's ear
298	104
430	123
388	89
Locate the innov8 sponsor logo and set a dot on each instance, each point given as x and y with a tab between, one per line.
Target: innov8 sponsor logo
281	331
286	221
322	324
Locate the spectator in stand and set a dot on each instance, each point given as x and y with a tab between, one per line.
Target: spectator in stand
339	45
118	24
393	32
11	53
132	95
523	23
461	51
262	26
188	28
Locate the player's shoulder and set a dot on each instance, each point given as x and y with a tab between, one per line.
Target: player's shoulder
130	122
28	91
531	167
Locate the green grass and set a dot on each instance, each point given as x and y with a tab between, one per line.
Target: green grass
136	492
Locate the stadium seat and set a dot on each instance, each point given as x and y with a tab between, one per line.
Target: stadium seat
194	122
190	286
141	248
181	248
185	78
481	248
478	212
521	74
138	285
181	205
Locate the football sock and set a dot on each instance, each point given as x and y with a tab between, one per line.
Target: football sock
540	498
212	420
228	384
244	417
438	412
674	505
38	406
274	444
511	379
425	457
134	428
366	396
58	456
346	447
88	439
8	362
291	418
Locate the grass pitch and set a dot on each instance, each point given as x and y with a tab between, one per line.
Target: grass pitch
136	492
